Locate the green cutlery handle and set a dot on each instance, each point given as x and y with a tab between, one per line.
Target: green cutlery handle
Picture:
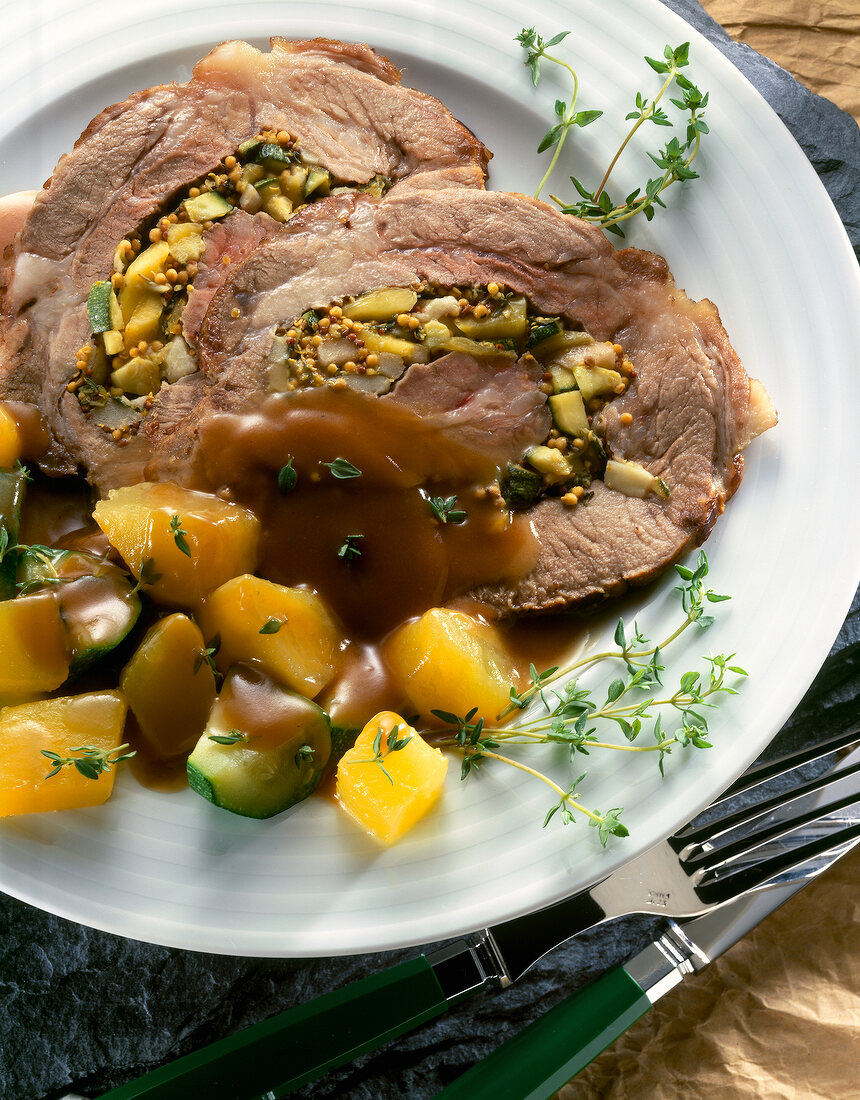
535	1063
280	1054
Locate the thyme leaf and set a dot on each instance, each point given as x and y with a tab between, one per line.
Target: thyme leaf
393	743
232	737
342	469
271	626
179	536
91	762
350	550
287	477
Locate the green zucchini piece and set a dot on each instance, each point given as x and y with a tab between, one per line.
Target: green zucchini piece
205	207
264	749
98	601
249	149
507	323
274	156
98	307
520	487
568	413
542	328
318	180
13	485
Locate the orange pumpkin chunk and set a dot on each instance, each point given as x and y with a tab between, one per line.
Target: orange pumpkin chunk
388	790
33	654
10	439
149	524
300	643
58	725
169	687
446	660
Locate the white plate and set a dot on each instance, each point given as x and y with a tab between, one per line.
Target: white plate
756	233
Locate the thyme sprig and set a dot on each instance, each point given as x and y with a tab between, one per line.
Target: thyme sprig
91	762
650	717
674	159
393	743
536	49
446	511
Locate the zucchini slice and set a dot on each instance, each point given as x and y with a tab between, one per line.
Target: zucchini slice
264	749
98	601
13	485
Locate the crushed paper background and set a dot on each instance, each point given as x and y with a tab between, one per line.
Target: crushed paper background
751	1026
818	41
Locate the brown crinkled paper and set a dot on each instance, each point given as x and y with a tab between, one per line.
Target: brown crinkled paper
818	41
776	1018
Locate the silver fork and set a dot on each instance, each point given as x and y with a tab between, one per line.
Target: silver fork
734	853
724	853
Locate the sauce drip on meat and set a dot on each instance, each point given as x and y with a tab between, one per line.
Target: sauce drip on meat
408	559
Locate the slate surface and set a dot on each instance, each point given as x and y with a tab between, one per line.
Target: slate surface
82	1011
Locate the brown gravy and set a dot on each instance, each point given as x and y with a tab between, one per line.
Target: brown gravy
408	561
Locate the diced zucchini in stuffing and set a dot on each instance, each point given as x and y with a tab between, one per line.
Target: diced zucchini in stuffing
141	520
114	342
185	240
520	487
509	323
381	305
139	376
264	748
207	207
380	342
58	725
632	479
550	462
390	778
596	381
568	412
289	632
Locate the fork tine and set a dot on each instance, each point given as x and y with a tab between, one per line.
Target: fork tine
732	883
698	839
757	775
707	860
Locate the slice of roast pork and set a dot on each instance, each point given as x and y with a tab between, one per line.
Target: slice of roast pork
342	104
692	408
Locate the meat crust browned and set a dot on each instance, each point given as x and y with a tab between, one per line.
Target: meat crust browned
343	102
693	408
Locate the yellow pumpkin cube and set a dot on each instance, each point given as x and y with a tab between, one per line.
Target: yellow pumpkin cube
10	439
169	688
33	652
300	645
388	789
58	725
151	521
446	660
